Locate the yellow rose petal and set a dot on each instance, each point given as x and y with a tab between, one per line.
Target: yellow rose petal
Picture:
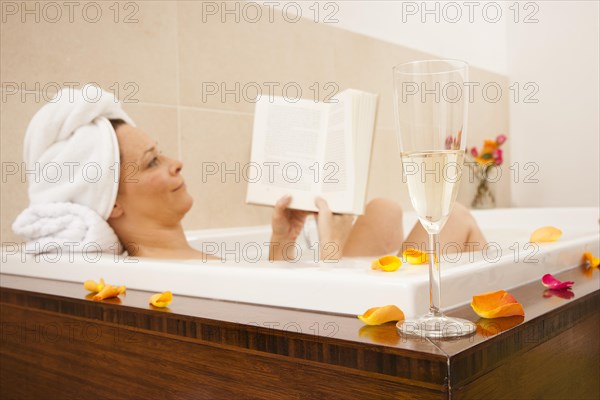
108	292
381	315
415	257
161	299
94	287
545	234
387	263
590	260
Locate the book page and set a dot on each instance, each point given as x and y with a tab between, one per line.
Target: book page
285	147
307	149
365	109
337	172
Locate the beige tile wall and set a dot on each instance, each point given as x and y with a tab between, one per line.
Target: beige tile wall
161	66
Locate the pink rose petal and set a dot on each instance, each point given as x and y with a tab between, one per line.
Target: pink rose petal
552	283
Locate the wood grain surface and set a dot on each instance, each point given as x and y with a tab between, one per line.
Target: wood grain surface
58	343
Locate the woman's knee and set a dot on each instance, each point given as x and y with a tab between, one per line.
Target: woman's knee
383	207
475	238
384	217
460	209
463	214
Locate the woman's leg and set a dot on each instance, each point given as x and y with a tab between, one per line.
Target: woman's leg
460	233
379	231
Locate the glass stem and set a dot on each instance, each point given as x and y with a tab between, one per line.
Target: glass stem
435	289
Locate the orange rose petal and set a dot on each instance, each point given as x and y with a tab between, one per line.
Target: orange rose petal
381	315
161	299
496	304
545	234
94	287
387	263
108	292
590	260
415	257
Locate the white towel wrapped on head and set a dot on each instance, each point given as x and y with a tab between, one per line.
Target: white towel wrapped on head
73	149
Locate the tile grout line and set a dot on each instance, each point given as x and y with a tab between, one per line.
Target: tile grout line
179	106
216	110
146	103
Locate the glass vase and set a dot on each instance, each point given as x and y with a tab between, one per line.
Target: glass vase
484	197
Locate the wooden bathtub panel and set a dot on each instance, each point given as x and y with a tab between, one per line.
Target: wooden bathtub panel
64	357
564	367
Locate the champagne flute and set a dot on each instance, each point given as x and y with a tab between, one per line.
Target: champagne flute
430	105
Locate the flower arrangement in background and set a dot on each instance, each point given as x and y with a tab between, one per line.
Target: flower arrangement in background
490	156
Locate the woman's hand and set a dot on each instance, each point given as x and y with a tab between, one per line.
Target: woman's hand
286	225
334	230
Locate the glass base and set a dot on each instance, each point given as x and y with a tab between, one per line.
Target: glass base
436	326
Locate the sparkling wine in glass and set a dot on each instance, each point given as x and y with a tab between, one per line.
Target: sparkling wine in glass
430	105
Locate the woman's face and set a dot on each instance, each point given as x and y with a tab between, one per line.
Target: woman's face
150	186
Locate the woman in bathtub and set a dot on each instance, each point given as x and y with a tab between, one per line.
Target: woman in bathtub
143	209
152	200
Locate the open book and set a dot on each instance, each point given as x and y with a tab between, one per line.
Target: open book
309	149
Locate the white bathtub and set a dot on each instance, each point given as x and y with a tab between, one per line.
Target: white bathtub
348	286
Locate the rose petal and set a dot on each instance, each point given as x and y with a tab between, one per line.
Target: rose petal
496	304
414	256
94	287
381	315
161	299
551	282
387	263
109	291
590	260
545	234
